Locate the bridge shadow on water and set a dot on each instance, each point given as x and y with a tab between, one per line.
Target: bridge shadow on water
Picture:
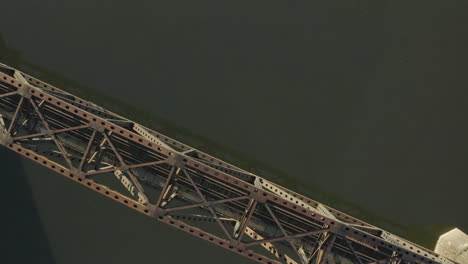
23	231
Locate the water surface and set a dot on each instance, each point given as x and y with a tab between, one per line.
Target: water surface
361	106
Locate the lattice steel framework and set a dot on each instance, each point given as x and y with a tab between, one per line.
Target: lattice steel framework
182	186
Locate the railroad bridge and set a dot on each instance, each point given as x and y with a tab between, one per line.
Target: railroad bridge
183	187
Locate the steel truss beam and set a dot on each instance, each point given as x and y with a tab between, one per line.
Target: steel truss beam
226	193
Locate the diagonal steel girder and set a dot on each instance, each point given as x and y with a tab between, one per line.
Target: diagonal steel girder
125	166
209	206
60	146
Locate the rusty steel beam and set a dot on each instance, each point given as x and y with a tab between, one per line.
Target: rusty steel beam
296	217
322	253
87	149
285	234
172	174
51	132
271	248
205	202
18	108
124	165
7	94
185	207
286	238
246	218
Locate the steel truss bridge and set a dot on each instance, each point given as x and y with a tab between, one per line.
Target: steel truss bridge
183	187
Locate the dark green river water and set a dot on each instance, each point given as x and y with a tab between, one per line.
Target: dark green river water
359	104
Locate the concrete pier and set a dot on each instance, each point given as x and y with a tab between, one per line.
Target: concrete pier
453	245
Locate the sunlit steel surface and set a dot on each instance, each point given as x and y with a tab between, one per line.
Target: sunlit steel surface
182	186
